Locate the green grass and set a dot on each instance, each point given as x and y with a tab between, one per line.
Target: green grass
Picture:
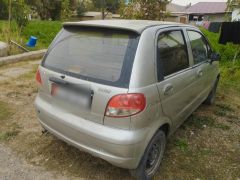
5	111
45	31
201	122
30	75
230	73
5	136
5	114
222	109
227	51
182	144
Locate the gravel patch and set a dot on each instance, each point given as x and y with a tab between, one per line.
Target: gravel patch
12	167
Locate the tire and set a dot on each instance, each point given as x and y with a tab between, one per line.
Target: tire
152	158
211	97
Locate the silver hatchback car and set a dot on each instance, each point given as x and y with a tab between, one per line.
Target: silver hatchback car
118	88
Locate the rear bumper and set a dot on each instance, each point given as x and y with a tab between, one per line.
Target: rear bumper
122	148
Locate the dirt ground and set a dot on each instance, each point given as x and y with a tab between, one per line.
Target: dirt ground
207	146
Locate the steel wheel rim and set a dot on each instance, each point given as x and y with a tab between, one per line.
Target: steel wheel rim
154	158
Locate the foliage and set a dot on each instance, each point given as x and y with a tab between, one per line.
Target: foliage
3	9
45	31
19	9
145	9
109	5
182	144
53	9
47	9
233	4
73	4
227	51
230	73
81	9
20	13
65	9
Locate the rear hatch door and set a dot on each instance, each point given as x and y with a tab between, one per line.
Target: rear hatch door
85	67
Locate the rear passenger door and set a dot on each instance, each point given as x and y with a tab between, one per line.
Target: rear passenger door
175	75
204	73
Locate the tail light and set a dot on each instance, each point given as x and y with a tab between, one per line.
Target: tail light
124	105
38	77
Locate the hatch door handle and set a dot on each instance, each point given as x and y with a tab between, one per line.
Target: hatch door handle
199	73
168	89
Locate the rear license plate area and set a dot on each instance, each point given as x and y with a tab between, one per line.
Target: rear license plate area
72	95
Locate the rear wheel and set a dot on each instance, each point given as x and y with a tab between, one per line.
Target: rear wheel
211	97
152	157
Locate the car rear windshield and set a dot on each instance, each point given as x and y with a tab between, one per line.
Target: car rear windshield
99	55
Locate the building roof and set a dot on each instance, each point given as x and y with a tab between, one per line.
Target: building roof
173	8
132	25
207	8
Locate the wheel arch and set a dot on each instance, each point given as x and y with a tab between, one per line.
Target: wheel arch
164	125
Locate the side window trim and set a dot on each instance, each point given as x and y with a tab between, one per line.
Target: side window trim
159	70
205	41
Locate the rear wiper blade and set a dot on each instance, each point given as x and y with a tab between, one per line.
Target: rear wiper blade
58	81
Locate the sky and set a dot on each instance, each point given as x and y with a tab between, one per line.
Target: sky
186	2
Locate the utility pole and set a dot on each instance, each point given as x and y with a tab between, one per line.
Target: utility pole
102	8
9	19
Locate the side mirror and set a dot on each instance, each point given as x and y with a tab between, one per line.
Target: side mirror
215	57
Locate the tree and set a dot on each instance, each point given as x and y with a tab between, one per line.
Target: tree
145	9
233	4
65	9
234	7
47	9
73	5
81	9
106	6
3	9
20	13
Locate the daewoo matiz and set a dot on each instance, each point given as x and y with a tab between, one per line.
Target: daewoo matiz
118	88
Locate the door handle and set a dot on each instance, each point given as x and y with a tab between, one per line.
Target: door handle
199	72
168	89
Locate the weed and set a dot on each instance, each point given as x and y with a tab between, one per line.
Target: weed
5	111
204	121
29	75
205	152
5	136
182	144
220	112
222	126
223	109
200	121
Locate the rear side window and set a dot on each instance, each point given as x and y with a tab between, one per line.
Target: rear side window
172	52
200	48
98	55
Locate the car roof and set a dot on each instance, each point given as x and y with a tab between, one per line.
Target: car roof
133	25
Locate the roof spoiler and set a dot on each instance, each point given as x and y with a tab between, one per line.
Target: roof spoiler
90	25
